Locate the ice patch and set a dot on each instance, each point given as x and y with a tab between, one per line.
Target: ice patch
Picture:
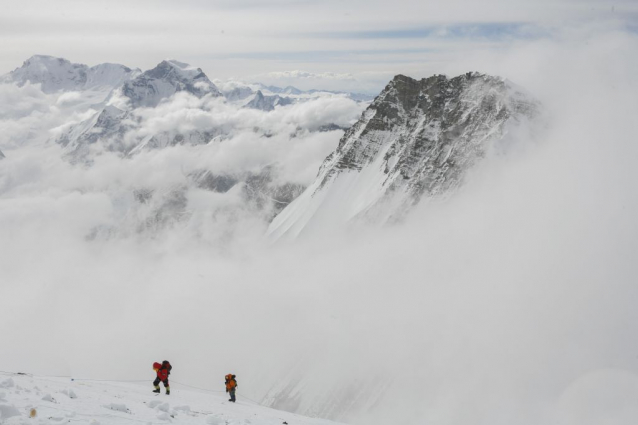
7	411
164	407
154	403
69	393
47	397
164	416
118	407
215	420
7	383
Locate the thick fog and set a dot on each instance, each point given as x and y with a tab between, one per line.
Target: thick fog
512	301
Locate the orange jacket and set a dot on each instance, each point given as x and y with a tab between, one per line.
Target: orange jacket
231	383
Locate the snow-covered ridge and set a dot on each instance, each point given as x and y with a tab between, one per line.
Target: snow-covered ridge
26	399
235	90
54	74
268	103
114	125
110	124
166	79
418	138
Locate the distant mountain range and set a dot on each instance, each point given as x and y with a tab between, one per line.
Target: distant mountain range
417	139
117	94
121	90
54	74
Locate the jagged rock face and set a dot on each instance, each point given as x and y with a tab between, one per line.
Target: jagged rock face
267	103
54	74
166	79
418	138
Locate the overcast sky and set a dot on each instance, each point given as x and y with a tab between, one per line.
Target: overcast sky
355	44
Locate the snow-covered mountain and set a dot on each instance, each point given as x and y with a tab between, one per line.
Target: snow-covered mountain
108	125
267	103
166	79
2	155
111	123
27	399
55	74
285	90
113	126
290	90
418	138
235	90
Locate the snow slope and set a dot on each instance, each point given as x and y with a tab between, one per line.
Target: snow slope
59	400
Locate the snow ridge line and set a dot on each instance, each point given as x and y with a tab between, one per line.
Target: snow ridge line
121	380
94	415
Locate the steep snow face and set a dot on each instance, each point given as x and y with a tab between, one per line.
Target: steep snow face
418	138
166	79
2	155
54	74
26	398
108	125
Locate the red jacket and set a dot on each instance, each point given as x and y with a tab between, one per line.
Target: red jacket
162	371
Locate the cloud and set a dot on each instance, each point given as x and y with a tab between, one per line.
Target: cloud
27	115
253	139
311	75
153	191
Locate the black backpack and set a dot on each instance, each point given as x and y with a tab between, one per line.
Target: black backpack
168	366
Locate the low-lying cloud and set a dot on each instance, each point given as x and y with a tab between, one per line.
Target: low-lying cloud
311	75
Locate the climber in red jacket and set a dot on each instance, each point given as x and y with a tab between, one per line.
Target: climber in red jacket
162	370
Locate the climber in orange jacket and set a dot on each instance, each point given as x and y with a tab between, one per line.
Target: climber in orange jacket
231	385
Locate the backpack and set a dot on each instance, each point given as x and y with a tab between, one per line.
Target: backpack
168	366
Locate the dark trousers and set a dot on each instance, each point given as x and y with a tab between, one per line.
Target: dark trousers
157	381
232	394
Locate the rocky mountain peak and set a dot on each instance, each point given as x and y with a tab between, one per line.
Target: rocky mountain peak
417	138
267	103
166	79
